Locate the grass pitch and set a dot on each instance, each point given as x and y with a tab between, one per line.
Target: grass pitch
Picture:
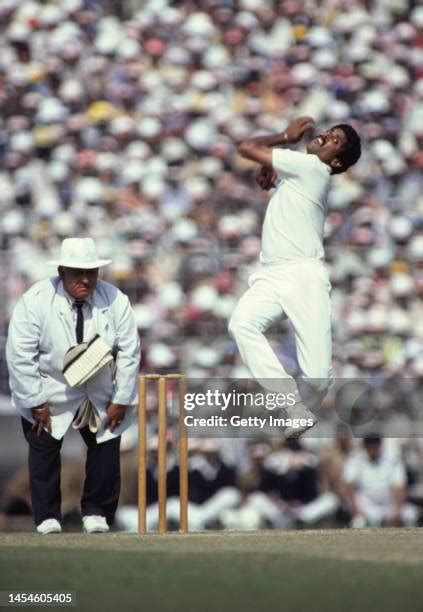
295	571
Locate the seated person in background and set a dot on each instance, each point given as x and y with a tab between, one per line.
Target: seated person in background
332	458
375	487
211	486
287	491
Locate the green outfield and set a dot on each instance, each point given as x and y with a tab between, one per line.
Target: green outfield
319	571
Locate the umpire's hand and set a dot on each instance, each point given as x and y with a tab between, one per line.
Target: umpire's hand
42	418
115	416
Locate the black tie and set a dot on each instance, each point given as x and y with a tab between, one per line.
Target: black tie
79	320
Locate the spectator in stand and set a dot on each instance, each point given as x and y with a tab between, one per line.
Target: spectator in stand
375	487
288	490
212	488
332	459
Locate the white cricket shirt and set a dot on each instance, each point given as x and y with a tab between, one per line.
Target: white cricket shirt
375	479
295	216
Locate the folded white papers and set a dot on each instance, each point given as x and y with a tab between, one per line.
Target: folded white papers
85	360
87	415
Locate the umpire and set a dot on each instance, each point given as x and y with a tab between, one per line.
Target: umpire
55	314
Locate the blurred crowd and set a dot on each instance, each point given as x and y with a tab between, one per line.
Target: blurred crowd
120	120
126	130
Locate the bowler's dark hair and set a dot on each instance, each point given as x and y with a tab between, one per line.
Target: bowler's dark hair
351	152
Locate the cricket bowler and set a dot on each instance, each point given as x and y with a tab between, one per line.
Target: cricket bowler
292	281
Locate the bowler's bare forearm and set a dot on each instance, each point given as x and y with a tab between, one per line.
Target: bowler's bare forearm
259	149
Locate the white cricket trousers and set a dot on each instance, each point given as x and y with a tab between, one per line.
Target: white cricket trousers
299	291
375	513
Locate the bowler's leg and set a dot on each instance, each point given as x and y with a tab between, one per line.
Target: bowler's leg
102	476
44	473
309	310
257	309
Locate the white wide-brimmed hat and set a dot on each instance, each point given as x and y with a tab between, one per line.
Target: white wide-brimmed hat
79	253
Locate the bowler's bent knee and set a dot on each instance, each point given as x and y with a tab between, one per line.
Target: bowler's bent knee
241	325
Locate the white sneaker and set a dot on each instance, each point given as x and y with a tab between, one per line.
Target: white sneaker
50	525
358	522
94	523
299	412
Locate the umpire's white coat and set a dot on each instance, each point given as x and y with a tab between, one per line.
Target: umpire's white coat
41	331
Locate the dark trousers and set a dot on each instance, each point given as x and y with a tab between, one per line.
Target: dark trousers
102	475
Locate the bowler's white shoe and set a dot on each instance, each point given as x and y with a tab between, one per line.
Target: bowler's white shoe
304	419
94	523
50	525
